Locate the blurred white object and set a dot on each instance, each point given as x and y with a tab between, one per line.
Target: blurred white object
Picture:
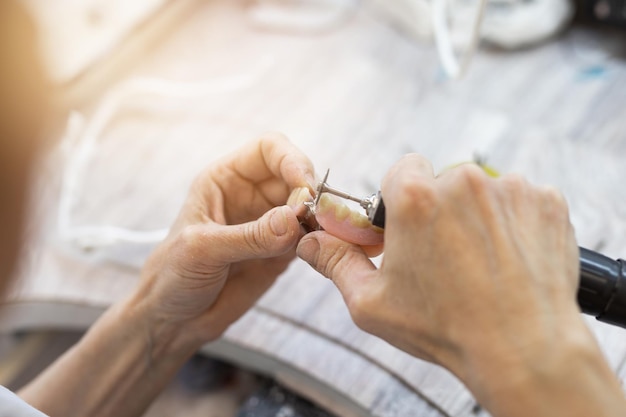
442	23
76	34
81	145
300	15
518	23
412	16
458	26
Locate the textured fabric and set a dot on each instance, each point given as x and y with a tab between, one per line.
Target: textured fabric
13	406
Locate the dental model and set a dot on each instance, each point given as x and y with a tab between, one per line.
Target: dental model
326	211
340	221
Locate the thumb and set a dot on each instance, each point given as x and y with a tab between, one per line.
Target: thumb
274	234
346	264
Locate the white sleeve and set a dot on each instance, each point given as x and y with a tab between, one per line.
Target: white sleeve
13	406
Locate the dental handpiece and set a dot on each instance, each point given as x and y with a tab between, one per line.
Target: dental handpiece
602	285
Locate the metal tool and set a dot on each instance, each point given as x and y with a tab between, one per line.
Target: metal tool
373	204
602	286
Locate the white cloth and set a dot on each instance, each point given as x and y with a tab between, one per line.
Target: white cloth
13	406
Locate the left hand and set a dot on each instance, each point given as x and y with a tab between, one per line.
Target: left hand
233	237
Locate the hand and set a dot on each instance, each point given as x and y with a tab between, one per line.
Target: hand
233	237
479	274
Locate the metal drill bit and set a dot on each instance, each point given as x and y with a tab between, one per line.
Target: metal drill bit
328	189
323	187
318	194
320	188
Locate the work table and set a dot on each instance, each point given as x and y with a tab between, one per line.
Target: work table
354	98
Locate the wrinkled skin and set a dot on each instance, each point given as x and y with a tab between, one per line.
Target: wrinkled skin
480	276
233	237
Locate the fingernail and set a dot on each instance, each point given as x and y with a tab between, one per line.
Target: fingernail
310	179
298	196
278	222
308	249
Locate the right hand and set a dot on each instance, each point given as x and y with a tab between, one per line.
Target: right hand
478	273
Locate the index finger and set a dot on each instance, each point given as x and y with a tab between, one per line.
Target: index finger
274	156
410	169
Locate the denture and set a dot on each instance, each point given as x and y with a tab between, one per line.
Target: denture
296	201
340	221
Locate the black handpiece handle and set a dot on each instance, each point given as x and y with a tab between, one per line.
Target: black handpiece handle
602	287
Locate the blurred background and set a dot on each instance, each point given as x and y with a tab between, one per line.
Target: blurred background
149	92
79	37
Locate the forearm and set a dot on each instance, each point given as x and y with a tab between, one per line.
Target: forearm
118	368
569	379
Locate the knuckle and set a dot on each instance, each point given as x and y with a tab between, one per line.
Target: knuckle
409	166
272	138
415	196
199	181
467	183
332	260
255	237
515	189
191	241
555	202
473	177
515	182
189	236
418	161
554	195
362	306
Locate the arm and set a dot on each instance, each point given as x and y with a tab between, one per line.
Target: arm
479	276
233	237
118	367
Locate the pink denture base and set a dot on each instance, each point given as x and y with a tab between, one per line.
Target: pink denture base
337	219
